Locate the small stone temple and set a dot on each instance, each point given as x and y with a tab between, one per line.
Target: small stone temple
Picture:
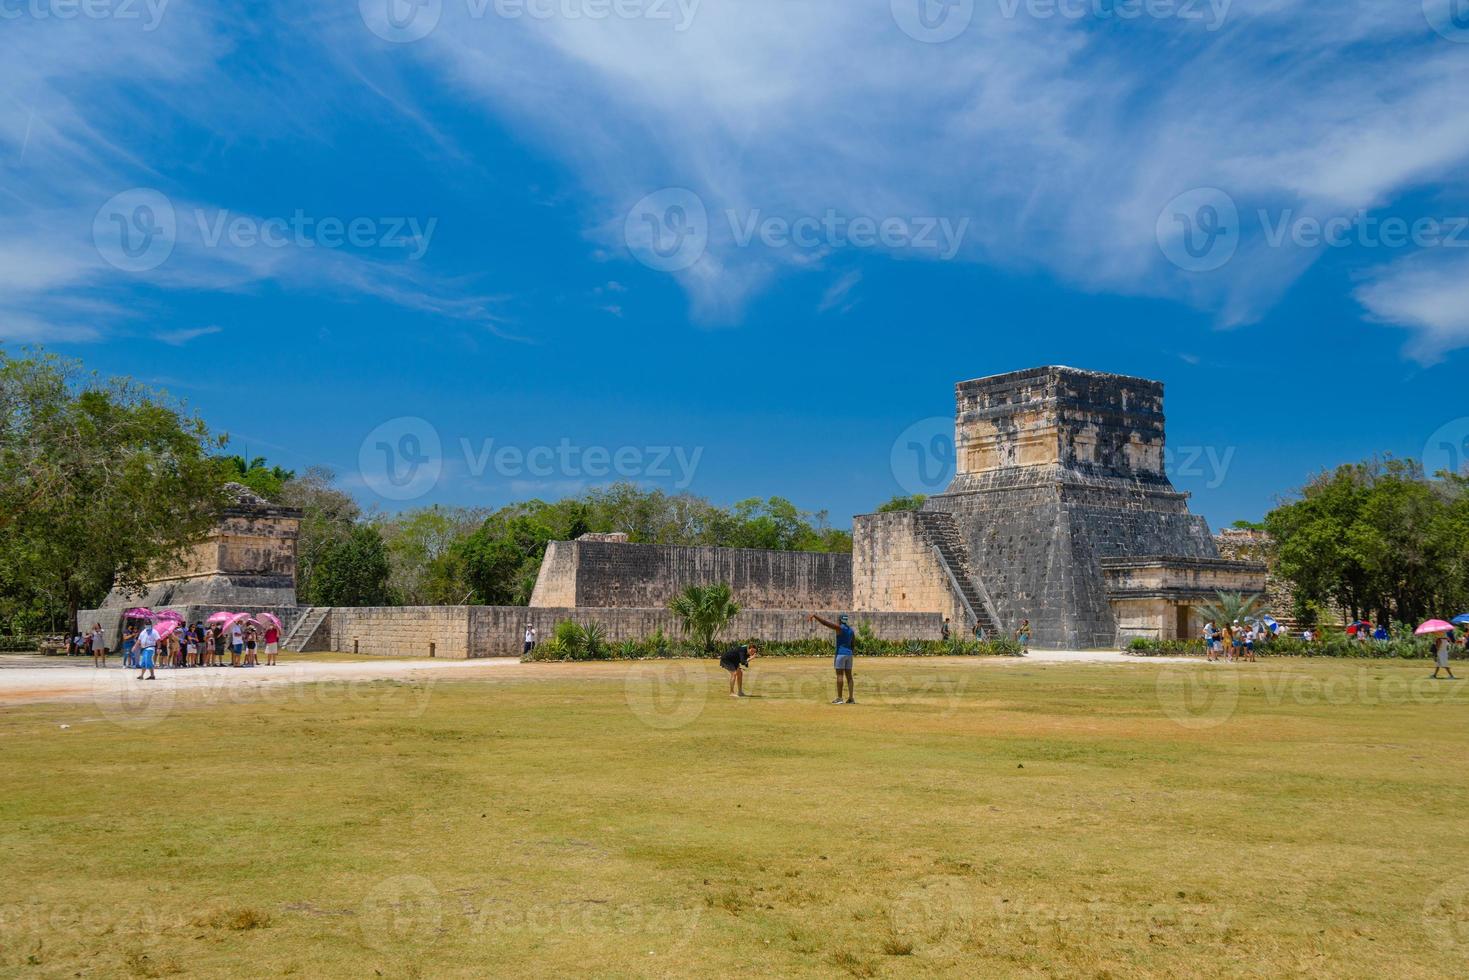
246	564
1060	512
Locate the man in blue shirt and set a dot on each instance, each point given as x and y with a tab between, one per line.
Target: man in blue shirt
846	650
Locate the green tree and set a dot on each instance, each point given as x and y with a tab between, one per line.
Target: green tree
328	517
1229	608
421	546
268	481
704	612
501	559
353	571
102	482
915	502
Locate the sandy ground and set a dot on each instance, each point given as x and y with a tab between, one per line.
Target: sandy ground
31	679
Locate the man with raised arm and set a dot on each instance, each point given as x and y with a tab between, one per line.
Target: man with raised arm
846	646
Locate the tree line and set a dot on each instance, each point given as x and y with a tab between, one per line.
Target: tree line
105	481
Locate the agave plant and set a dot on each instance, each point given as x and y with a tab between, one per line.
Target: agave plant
1232	607
704	611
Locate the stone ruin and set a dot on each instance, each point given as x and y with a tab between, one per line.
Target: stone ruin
1060	512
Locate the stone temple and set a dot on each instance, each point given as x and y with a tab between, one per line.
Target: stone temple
1060	512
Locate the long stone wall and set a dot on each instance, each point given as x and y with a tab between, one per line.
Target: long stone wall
458	632
608	574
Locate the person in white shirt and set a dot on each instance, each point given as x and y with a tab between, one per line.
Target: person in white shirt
99	647
530	638
148	642
237	644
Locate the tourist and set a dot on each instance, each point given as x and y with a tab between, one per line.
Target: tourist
1022	635
978	632
1251	636
1209	641
530	639
99	646
237	644
272	644
129	641
191	647
735	660
944	630
250	660
846	653
148	646
1441	648
216	646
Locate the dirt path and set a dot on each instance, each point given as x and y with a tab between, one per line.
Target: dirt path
29	680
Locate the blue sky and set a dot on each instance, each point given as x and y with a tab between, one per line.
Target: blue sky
571	228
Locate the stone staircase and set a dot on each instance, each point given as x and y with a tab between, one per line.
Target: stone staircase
940	531
305	629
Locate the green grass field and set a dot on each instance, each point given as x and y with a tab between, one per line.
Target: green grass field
975	818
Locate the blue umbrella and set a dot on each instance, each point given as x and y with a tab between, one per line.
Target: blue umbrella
1461	620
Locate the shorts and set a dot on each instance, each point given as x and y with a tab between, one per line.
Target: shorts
843	661
237	648
147	662
249	644
731	665
1443	658
272	648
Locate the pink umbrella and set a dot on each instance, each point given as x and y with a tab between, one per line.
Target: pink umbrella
167	628
138	612
266	617
220	617
169	614
1434	626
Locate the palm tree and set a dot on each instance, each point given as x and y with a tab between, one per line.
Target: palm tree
1231	608
704	611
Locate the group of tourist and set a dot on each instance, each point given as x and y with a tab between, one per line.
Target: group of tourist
145	648
1236	641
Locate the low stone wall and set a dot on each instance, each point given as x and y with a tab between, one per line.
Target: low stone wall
459	632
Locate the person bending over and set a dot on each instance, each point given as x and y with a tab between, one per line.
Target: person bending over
735	660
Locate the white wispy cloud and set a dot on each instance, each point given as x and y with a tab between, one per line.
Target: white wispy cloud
1061	140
